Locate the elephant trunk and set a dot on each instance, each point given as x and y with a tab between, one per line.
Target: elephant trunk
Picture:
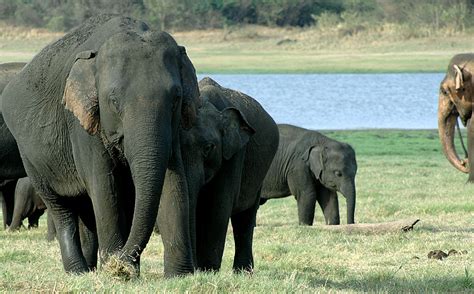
349	192
447	117
147	147
470	148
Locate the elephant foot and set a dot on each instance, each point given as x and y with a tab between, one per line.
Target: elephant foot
177	271
122	266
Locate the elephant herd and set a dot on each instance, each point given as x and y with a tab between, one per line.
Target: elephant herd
117	138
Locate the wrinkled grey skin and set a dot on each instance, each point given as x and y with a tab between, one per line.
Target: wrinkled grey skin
93	132
27	204
11	166
312	167
226	156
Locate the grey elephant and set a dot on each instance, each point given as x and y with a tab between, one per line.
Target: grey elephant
226	155
11	166
97	138
312	167
27	204
456	95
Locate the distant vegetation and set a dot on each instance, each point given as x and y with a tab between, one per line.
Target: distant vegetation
416	18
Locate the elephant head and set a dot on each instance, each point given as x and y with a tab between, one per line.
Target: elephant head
134	92
334	165
216	137
455	100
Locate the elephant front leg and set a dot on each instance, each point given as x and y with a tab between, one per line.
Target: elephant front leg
328	201
243	224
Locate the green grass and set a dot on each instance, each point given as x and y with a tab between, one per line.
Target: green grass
402	174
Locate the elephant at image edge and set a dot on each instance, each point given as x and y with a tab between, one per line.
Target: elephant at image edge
27	204
312	167
455	100
89	123
11	166
226	156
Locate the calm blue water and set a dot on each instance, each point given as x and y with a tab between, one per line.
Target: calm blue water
343	101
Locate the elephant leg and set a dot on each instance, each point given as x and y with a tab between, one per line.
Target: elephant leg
33	219
8	203
211	227
88	234
243	224
51	228
66	224
328	201
302	187
214	209
107	218
21	211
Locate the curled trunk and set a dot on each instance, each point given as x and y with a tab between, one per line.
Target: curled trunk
447	117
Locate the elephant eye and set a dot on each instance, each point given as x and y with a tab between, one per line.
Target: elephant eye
443	91
208	149
338	173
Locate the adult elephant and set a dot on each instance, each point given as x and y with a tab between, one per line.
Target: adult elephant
312	167
11	167
27	204
226	155
455	100
89	123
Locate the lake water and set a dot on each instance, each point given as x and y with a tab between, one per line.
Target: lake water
343	101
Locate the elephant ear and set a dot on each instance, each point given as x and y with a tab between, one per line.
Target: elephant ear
236	132
189	84
80	93
460	76
315	158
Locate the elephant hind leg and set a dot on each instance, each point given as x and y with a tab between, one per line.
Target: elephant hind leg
88	233
243	224
67	232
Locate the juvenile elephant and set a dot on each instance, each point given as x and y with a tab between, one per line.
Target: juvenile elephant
11	166
27	204
456	95
97	137
312	167
226	155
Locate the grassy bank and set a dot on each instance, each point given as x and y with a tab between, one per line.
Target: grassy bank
287	50
401	174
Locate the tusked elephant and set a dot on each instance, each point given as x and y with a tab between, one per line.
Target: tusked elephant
27	204
97	138
312	167
455	100
226	156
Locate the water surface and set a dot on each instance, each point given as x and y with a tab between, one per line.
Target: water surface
343	101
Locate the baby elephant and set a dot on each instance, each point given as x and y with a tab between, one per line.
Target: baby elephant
312	167
27	204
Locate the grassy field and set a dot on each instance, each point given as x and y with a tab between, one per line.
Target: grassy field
285	50
401	174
